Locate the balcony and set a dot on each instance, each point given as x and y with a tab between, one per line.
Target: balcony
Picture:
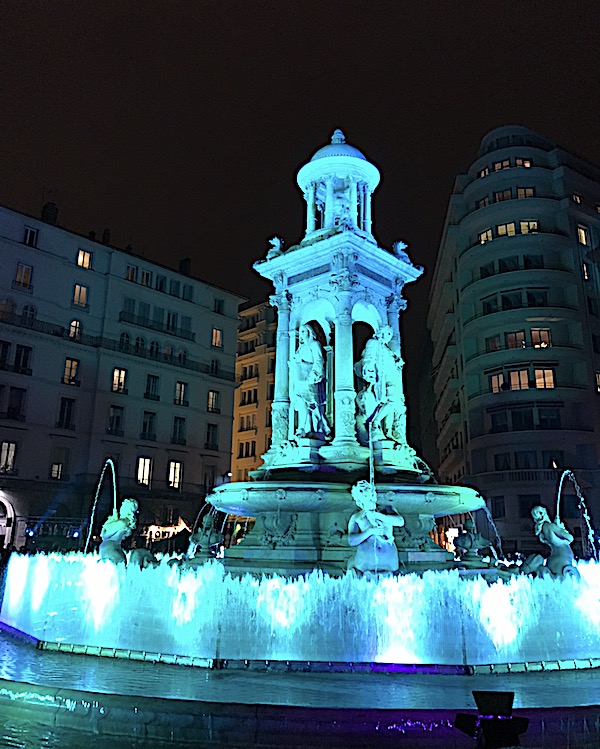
64	425
144	322
71	381
179	440
13	414
121	390
21	286
151	396
16	368
180	402
211	446
213	410
115	432
148	436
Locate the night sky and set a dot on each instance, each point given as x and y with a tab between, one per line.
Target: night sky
181	125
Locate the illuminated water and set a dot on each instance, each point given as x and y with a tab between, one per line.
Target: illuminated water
436	618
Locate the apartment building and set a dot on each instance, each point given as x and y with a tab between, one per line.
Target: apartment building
106	354
515	325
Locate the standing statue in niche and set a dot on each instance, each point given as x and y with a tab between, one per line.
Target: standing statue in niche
381	402
308	386
117	527
557	537
372	533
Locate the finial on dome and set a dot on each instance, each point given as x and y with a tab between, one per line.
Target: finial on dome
338	136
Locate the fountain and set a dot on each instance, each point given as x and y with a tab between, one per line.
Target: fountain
342	505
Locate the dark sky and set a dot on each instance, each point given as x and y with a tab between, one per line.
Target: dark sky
181	125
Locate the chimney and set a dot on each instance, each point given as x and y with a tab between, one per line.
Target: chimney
92	235
185	266
50	213
106	236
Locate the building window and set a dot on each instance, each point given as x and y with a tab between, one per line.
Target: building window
154	349
549	418
576	198
131	273
502	195
8	451
525	192
188	292
84	259
493	343
499	421
124	341
525	459
482	202
508	264
484	236
144	471
178	436
511	300
540	338
146	278
592	305
498	508
181	393
533	261
544	378
171	322
506	230
23	276
71	371
80	295
214	402
16	404
152	382
30	236
212	437
583	235
119	380
4	354
174	287
489	305
115	420
22	359
502	462
161	283
219	306
498	165
527	163
515	339
496	382
526	504
518	379
522	419
216	339
148	426
66	413
75	330
483	172
215	367
537	298
140	345
270	391
528	227
552	458
174	474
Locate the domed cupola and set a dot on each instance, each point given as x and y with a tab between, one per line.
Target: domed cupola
337	184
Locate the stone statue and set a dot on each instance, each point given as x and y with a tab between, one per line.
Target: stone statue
117	527
275	249
372	533
307	386
471	542
557	537
381	402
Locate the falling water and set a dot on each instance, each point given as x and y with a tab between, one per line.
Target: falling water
107	463
493	526
591	543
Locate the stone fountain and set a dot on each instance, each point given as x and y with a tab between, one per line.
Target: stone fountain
339	412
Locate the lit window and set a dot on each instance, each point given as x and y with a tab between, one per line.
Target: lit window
523	162
506	230
528	227
484	236
482	203
75	330
216	338
181	389
544	378
576	198
131	273
540	338
583	235
496	382
80	295
146	278
56	471
214	402
30	236
498	165
144	471
119	378
483	172
519	379
502	195
71	371
598	382
23	276
7	457
84	259
525	192
492	343
175	473
515	339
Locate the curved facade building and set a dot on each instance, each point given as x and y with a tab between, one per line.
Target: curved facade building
515	325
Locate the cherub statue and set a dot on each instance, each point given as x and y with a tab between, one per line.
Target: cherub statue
372	533
276	248
557	537
471	542
117	527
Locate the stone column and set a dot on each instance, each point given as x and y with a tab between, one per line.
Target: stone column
344	395
395	303
361	205
311	218
353	201
280	410
329	203
367	209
